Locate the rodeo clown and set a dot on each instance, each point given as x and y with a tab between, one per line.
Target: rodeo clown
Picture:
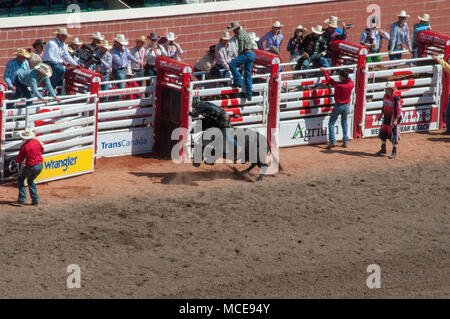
392	117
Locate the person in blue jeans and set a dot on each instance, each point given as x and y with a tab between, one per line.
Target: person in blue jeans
30	151
342	97
246	57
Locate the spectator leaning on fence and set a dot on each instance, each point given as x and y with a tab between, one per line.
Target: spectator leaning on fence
172	48
26	79
14	65
36	54
154	50
273	38
105	66
30	152
120	58
423	25
295	45
315	49
371	38
399	36
246	50
226	51
138	51
57	56
206	62
446	67
342	97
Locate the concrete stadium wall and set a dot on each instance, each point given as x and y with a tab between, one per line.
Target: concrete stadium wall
197	32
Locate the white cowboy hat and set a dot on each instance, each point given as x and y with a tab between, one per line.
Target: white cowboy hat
234	25
44	68
253	36
318	29
425	18
76	41
390	85
277	24
171	36
98	36
62	31
226	35
300	27
121	39
332	21
403	14
104	44
27	134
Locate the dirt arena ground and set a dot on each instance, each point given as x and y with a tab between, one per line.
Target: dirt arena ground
143	227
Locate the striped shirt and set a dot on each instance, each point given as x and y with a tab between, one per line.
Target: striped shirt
11	70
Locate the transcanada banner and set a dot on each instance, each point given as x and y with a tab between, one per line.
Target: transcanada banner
127	142
74	163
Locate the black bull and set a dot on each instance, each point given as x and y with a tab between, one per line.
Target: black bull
255	148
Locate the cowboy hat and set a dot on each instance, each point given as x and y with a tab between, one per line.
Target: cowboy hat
62	31
153	36
226	36
27	134
44	68
300	27
212	49
104	44
390	85
253	36
120	38
318	29
403	14
38	42
277	24
234	25
97	35
171	36
23	52
425	18
332	21
76	41
142	38
273	49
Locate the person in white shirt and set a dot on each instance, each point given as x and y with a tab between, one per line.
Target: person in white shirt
153	51
138	51
226	51
173	49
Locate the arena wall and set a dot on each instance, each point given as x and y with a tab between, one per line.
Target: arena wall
197	32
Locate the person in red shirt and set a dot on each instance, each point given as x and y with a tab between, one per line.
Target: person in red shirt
30	151
342	97
392	117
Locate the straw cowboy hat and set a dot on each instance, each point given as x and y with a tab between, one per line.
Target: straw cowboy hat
62	31
234	25
120	38
226	36
253	36
171	36
44	69
332	21
425	18
318	29
23	52
403	14
27	134
104	44
300	27
97	35
76	41
390	85
277	24
142	38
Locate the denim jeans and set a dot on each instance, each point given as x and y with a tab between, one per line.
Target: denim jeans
447	117
22	91
323	62
105	87
58	73
119	75
29	173
139	74
247	60
342	110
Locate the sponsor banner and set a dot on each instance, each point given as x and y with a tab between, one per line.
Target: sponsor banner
73	163
311	131
130	142
10	168
413	121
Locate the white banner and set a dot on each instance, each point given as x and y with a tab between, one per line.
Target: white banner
126	142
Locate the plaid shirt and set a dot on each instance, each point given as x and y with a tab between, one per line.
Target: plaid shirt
245	42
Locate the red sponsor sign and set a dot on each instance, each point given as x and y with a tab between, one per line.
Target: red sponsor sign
409	117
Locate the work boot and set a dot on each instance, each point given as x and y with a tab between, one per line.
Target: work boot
394	153
330	146
344	144
382	151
